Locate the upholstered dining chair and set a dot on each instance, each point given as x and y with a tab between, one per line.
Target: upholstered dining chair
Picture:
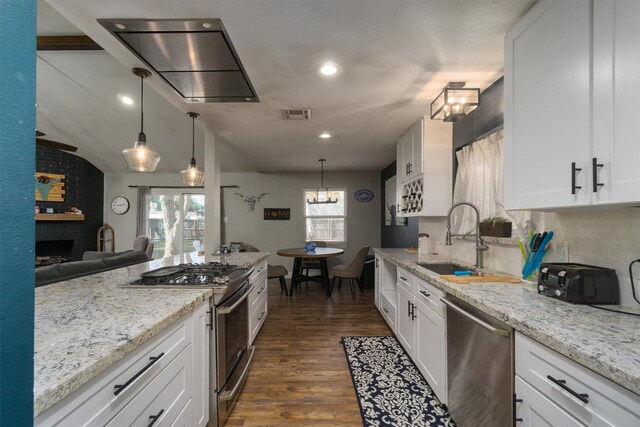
273	271
312	264
351	271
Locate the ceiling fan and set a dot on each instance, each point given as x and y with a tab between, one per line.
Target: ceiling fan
53	144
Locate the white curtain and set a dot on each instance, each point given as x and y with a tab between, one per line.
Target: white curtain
480	180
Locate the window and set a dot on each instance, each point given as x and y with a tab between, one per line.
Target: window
326	222
175	221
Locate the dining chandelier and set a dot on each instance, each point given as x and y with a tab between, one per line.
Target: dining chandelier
140	158
455	101
192	175
322	194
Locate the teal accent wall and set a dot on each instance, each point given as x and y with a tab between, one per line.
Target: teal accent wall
17	227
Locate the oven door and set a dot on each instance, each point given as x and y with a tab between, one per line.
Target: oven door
232	334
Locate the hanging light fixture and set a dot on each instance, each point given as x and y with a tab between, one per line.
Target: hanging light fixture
140	158
192	175
322	194
455	101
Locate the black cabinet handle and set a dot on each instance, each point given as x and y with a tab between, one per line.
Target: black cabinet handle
154	418
413	311
385	310
261	316
425	294
210	322
409	308
595	167
562	384
516	419
574	170
120	387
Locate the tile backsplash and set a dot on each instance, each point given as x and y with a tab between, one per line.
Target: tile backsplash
606	238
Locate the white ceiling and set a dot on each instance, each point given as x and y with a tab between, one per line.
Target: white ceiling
395	57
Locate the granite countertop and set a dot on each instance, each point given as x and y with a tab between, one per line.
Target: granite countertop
605	342
85	325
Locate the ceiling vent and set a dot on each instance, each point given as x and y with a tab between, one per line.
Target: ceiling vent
194	56
296	114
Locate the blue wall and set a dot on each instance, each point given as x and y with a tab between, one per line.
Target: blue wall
17	227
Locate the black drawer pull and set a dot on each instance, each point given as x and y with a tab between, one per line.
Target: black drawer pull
425	294
562	384
120	387
574	169
595	167
261	316
154	418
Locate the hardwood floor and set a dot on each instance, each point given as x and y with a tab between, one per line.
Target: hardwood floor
300	374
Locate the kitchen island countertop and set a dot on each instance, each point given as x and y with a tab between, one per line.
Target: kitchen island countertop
85	325
605	342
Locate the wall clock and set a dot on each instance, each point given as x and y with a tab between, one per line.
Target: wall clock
120	205
363	195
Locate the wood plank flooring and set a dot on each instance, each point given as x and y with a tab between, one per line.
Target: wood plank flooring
299	374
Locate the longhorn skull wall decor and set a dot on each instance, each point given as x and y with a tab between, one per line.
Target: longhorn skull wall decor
251	200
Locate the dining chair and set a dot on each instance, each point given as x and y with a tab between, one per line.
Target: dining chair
312	264
273	271
351	271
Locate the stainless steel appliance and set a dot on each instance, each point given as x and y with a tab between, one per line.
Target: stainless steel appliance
229	323
480	367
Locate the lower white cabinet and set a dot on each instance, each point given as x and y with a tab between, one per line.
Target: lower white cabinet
431	348
406	327
548	383
159	379
258	301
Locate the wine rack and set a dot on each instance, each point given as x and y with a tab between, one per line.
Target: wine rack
410	198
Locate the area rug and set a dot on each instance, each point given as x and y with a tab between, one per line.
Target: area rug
391	390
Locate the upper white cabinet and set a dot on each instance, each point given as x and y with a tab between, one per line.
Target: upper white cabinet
424	169
571	93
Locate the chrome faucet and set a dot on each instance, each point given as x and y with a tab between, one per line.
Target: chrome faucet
480	246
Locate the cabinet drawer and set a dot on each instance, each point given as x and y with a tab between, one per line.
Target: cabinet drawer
185	418
259	290
388	311
164	397
430	296
607	404
257	319
95	403
535	410
405	277
257	270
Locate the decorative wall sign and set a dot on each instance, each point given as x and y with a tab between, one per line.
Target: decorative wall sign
49	187
277	214
363	195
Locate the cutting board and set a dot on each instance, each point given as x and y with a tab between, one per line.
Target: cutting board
465	280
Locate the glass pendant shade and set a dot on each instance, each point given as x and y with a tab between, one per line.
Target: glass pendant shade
192	176
140	158
455	101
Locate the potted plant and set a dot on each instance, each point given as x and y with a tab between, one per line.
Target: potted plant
496	227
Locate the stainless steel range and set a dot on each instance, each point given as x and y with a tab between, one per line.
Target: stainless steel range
229	322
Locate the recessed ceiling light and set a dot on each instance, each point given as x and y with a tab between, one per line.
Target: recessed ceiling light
121	26
329	69
125	99
324	135
206	25
247	99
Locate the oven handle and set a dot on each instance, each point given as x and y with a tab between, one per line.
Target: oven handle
494	331
229	395
227	310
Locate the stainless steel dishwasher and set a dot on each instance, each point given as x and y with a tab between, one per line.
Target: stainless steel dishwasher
480	367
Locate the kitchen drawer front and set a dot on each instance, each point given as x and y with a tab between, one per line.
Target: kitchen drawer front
430	296
536	410
185	418
164	397
257	270
259	290
257	318
388	311
405	277
608	403
95	402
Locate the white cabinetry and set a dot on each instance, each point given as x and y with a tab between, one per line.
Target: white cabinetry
385	288
258	301
163	377
553	390
571	95
406	329
423	165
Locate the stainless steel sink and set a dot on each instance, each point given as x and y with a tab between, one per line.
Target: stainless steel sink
445	267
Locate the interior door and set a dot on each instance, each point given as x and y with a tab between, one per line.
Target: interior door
616	144
547	107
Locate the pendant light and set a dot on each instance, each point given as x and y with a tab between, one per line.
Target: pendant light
322	195
192	175
140	158
454	102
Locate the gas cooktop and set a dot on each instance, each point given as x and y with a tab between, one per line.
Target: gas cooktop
204	275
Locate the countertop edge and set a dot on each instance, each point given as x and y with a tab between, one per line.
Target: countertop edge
606	370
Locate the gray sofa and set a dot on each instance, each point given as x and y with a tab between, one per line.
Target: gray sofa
71	270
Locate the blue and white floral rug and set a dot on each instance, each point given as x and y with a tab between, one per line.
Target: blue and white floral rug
391	390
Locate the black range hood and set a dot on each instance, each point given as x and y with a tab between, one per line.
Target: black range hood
194	56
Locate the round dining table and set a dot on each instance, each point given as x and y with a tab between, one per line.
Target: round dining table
299	254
